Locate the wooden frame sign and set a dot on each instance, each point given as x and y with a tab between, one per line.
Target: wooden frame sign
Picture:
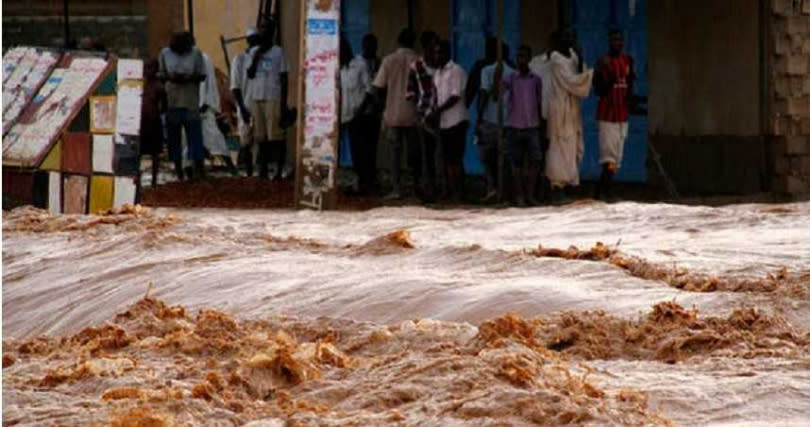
318	105
102	113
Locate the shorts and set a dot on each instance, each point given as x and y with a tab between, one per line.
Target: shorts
454	140
489	136
525	143
267	121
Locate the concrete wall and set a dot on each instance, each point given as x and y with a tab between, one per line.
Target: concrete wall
789	95
705	105
231	18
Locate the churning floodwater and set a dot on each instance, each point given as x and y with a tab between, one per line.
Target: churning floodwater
688	315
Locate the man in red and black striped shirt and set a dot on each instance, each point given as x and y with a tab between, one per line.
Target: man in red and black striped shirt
613	82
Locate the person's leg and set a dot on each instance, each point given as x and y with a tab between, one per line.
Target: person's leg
277	137
460	143
355	130
516	155
196	151
487	152
174	126
373	138
429	154
260	135
395	140
535	158
413	145
155	168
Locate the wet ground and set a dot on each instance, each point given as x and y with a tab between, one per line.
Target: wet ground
689	314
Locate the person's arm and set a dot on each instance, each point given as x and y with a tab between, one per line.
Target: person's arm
162	74
483	97
162	99
456	83
237	76
473	84
365	80
284	77
284	70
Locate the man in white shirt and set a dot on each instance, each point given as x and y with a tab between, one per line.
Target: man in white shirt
239	88
267	91
450	80
358	117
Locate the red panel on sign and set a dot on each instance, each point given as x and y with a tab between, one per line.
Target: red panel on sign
19	185
76	154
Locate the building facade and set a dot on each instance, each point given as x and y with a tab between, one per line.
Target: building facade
728	81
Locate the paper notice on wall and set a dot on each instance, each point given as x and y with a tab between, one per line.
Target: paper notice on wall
130	69
128	118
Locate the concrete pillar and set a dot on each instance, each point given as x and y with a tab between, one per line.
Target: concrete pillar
789	39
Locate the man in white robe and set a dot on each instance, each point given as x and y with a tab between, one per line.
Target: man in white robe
565	84
213	138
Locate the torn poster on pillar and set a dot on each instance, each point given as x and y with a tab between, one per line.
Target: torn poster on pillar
319	126
319	179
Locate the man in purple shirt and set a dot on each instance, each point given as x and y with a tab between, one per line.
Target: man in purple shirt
525	92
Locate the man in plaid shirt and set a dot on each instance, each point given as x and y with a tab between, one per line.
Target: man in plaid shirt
422	91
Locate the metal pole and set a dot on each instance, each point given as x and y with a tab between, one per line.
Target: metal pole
410	15
190	5
499	86
66	11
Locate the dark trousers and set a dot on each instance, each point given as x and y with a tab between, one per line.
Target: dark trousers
431	159
364	132
399	139
182	118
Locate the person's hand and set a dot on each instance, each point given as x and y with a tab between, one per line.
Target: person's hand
204	108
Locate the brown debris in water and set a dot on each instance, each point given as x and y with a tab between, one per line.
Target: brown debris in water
30	219
392	243
782	282
156	364
671	333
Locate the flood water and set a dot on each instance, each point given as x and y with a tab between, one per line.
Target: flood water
361	328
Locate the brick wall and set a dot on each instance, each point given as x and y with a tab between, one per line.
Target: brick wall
128	28
790	96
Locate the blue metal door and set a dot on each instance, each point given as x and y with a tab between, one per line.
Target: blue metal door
591	20
355	22
470	29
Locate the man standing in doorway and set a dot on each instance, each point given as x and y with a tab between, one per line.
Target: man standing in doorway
422	91
364	129
613	82
450	80
525	91
239	88
182	68
399	114
267	90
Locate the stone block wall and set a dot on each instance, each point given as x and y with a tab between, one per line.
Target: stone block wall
789	53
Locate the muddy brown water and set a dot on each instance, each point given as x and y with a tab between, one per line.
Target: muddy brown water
327	318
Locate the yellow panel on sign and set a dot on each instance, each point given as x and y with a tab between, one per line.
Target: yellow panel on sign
53	161
101	193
